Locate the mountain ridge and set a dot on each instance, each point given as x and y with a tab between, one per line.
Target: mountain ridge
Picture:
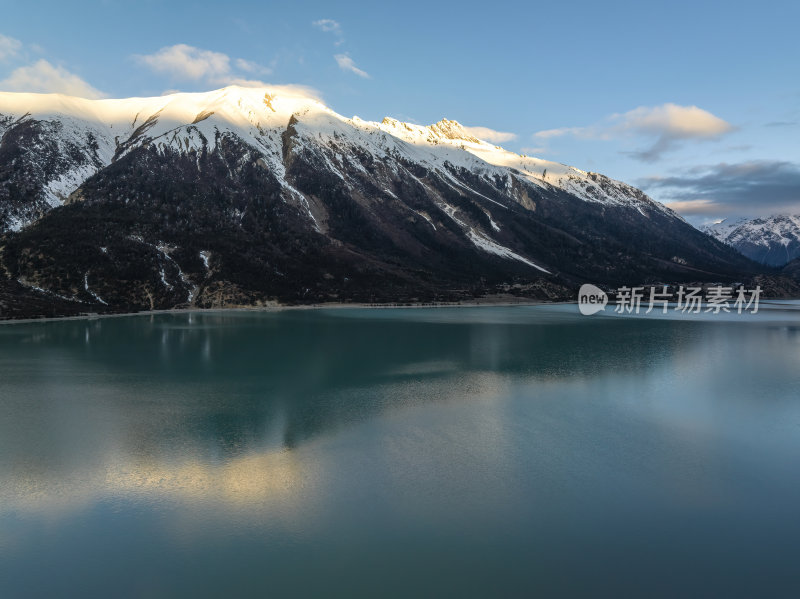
128	122
242	196
772	240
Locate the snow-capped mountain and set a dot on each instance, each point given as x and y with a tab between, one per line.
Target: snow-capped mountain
243	195
76	137
774	240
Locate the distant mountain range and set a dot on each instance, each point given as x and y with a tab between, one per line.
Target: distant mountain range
772	240
245	196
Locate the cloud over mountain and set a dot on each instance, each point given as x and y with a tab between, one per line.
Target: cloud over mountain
182	62
754	188
8	47
491	135
665	126
347	64
44	77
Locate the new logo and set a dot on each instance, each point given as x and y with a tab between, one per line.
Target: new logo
591	299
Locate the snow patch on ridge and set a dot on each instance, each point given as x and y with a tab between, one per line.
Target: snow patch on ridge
483	242
487	245
92	293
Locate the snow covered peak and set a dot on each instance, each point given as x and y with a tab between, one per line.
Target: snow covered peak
773	240
778	228
722	228
445	131
233	103
452	130
259	117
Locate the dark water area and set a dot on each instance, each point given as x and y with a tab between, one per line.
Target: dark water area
475	452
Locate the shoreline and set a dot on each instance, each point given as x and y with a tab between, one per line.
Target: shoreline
285	307
485	303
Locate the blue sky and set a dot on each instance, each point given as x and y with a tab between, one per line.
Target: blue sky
697	102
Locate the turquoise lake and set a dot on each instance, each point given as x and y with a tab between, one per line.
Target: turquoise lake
401	452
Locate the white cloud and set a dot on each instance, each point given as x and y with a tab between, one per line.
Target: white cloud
346	64
676	122
8	47
549	133
43	77
670	124
248	66
331	26
328	25
343	60
188	63
490	134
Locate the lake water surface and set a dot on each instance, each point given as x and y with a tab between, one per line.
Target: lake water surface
484	452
